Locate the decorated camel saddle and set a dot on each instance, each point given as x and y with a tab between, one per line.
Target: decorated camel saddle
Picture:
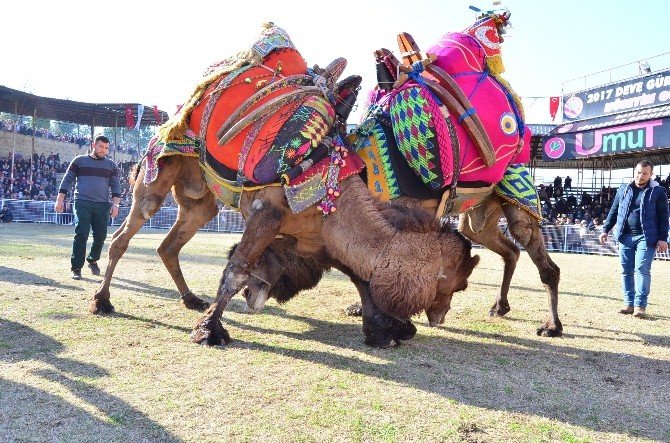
445	124
263	118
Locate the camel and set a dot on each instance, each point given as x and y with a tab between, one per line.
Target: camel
341	234
281	273
444	275
277	275
387	127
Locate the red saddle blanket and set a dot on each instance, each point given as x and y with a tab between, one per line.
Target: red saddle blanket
281	124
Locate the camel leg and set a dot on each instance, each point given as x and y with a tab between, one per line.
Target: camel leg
193	214
147	201
525	229
263	224
488	235
380	330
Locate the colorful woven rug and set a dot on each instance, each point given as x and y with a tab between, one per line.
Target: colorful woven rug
517	188
189	146
388	174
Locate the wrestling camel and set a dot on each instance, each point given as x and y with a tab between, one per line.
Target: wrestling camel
262	113
428	141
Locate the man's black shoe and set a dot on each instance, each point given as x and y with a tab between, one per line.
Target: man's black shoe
93	266
76	274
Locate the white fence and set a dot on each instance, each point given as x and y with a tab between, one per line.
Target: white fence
30	211
568	238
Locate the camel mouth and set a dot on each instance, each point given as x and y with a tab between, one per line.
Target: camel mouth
256	299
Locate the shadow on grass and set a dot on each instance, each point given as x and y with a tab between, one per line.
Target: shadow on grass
149	322
539	289
26	407
20	277
129	284
603	391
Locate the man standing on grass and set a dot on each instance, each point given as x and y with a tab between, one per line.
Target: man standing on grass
639	216
93	176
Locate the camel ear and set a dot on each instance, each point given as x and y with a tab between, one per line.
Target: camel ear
469	265
346	92
232	250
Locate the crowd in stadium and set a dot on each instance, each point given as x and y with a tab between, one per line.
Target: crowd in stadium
564	205
8	125
45	178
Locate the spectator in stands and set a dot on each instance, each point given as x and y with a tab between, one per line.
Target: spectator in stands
6	215
639	217
557	181
93	176
567	183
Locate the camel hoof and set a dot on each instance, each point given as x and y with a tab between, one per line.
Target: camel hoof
499	310
546	331
354	310
209	332
383	342
190	301
100	306
405	330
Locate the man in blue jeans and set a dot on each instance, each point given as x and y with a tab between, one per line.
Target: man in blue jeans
93	175
639	216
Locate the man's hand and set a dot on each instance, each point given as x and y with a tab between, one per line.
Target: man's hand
603	238
59	206
662	246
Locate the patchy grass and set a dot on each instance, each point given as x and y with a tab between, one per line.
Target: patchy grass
301	373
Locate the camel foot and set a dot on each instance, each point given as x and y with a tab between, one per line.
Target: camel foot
354	310
210	332
499	309
190	301
382	341
404	330
100	304
382	331
436	317
548	330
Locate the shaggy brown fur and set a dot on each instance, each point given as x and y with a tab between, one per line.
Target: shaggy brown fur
403	267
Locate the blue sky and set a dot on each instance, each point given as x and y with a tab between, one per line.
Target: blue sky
145	51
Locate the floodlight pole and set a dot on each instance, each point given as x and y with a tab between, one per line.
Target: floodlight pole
16	129
32	150
116	145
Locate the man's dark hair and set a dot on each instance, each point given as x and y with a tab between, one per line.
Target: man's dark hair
645	163
101	138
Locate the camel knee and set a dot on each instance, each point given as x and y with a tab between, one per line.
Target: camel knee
166	252
117	248
550	275
149	206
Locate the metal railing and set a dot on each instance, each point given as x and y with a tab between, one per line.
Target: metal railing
29	211
557	238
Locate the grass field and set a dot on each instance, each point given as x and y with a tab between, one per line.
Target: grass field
301	373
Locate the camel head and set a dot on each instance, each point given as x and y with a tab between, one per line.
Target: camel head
457	265
263	276
280	273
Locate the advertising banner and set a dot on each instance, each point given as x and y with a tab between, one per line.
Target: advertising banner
606	137
628	95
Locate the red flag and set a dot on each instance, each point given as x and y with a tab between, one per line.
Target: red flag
130	120
157	117
553	106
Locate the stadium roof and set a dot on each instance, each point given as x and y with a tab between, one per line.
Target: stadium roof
107	115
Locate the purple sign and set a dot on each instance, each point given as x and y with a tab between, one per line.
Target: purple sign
601	141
